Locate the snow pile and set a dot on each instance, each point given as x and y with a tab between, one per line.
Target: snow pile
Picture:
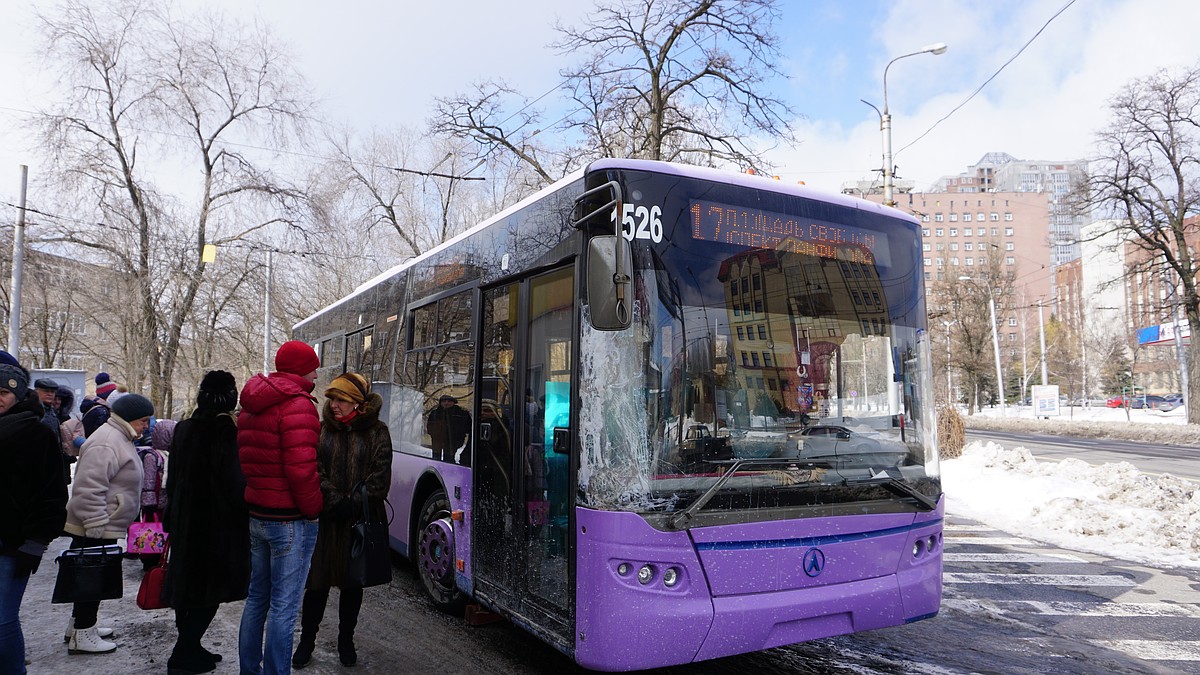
1112	509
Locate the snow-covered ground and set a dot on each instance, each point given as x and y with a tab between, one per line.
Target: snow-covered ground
1111	509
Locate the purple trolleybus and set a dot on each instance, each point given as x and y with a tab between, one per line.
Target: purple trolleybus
657	414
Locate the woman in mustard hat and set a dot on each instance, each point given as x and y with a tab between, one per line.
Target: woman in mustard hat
355	447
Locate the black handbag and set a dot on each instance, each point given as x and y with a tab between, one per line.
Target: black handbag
89	574
370	561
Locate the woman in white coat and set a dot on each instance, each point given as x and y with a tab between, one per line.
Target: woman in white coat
105	499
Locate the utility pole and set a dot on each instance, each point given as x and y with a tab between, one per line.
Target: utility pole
18	264
267	316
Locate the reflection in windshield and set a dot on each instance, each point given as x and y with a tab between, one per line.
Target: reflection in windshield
812	356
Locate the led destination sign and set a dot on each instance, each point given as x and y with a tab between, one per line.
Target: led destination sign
756	228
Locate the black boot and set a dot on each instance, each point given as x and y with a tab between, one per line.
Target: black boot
349	603
346	651
304	650
312	610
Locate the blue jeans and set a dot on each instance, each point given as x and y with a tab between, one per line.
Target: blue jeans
12	642
280	553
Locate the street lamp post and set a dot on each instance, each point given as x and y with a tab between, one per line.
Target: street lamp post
885	120
949	382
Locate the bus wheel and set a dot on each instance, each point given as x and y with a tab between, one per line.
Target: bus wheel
435	556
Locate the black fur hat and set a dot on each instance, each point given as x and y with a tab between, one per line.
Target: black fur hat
218	391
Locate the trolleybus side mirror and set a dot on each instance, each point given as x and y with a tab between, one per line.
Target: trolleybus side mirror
608	279
609	260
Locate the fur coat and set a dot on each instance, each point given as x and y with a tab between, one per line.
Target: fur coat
206	514
346	456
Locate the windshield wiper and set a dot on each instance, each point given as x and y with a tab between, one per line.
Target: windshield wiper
899	488
680	519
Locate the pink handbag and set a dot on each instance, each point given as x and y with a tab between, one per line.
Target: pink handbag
146	537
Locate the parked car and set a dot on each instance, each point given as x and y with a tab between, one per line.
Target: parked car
1116	401
854	446
1168	404
1150	401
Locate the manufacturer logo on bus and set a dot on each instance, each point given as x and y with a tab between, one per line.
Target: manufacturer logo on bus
814	562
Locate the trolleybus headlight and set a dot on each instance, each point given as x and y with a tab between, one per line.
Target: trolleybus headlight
645	574
933	542
670	577
623	569
918	548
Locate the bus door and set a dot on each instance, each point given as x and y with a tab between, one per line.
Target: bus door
521	510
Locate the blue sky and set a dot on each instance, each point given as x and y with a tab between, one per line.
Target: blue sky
380	64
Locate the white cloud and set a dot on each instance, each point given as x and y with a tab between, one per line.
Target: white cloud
1047	104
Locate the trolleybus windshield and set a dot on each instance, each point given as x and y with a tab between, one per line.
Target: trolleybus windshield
784	331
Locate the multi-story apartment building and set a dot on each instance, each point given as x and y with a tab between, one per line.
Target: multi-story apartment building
1001	172
1110	293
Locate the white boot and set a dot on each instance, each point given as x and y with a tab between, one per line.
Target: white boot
88	641
102	631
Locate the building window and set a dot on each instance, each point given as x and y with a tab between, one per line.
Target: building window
995	232
767	362
1009	246
966	217
1008	232
745	359
754	358
937	217
954	246
981	216
741	336
928	261
970	262
928	276
762	333
995	216
925	230
926	247
941	262
925	218
1010	260
954	232
1008	216
954	260
1012	320
857	298
953	217
968	246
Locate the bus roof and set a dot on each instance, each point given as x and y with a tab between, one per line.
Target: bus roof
751	181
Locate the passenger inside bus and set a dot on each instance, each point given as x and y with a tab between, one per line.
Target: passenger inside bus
448	426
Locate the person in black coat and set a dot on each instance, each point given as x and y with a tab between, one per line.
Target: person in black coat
33	503
207	519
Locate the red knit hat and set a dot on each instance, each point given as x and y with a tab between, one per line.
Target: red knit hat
296	357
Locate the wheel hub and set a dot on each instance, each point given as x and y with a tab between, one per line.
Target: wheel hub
437	550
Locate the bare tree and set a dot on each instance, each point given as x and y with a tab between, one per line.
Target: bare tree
1147	178
660	79
194	89
964	299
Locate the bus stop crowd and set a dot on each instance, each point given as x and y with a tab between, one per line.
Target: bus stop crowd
255	490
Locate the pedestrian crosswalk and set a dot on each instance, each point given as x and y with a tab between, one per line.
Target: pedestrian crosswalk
1074	597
